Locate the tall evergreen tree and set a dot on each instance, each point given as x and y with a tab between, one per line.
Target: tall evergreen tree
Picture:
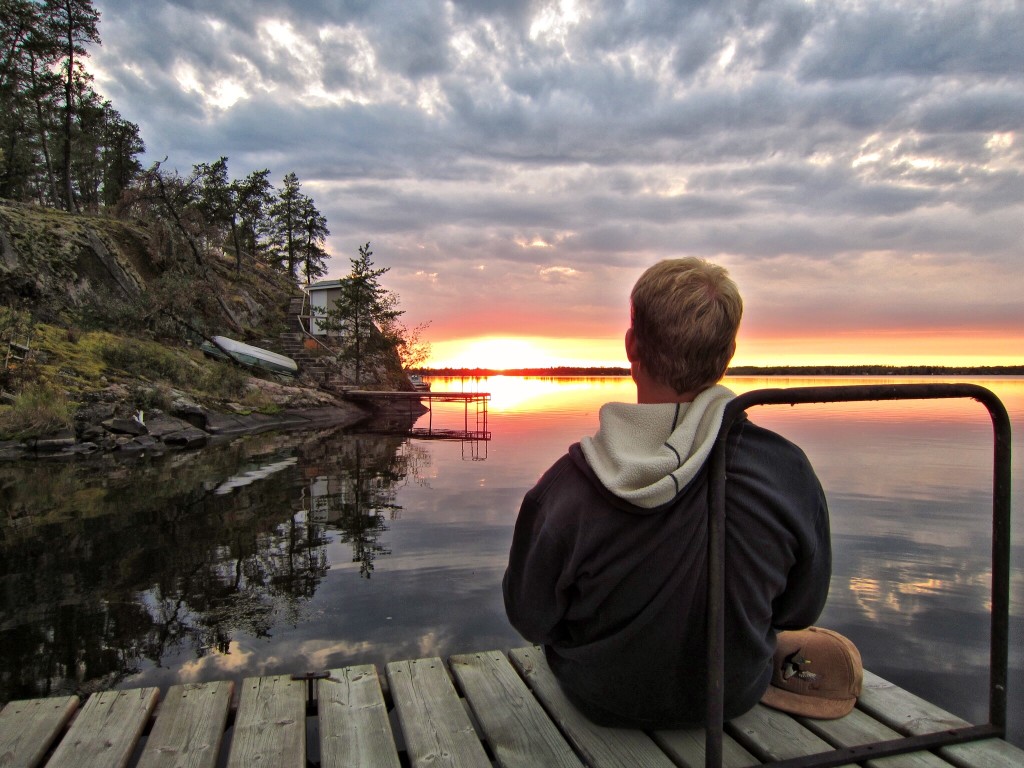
213	199
314	233
254	197
298	232
23	65
286	215
61	143
87	150
44	85
364	315
73	24
122	145
17	20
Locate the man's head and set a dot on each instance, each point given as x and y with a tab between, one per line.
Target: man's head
685	315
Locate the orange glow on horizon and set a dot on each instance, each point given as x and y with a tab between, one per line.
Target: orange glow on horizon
512	393
510	352
897	347
942	348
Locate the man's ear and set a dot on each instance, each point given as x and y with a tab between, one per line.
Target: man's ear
630	345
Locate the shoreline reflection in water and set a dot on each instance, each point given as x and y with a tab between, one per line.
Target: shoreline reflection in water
296	552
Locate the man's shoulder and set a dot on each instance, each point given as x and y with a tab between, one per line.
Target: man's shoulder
751	443
564	470
746	433
568	479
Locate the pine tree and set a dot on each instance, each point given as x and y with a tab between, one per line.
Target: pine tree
286	217
364	316
253	197
314	233
121	146
26	85
298	232
61	143
72	24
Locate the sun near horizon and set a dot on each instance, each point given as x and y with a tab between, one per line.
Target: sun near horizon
948	349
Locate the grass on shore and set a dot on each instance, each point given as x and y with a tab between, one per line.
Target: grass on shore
39	409
67	367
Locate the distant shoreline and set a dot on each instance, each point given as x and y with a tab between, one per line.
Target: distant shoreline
747	370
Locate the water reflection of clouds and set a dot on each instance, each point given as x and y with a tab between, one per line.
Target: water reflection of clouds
898	599
215	666
319	653
916	612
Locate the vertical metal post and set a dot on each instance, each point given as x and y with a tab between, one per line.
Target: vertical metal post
1000	636
715	630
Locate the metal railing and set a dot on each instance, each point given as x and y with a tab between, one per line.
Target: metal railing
1000	612
306	313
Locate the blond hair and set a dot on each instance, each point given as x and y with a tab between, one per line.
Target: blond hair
685	316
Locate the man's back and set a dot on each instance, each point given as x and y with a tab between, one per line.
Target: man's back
617	592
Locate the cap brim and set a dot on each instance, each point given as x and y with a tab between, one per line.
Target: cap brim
807	706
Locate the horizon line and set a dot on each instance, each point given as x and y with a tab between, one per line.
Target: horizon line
739	370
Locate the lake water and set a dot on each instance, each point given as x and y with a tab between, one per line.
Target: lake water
305	551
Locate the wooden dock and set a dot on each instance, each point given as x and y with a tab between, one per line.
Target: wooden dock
474	424
479	709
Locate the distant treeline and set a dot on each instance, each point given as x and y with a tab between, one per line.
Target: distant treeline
554	372
876	370
750	370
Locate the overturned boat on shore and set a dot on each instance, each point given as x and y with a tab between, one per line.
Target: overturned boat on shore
223	348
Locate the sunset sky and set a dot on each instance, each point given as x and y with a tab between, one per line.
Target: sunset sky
857	165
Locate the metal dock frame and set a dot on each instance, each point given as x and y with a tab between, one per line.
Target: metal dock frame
999	641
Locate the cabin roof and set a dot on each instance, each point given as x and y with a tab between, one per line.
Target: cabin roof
323	285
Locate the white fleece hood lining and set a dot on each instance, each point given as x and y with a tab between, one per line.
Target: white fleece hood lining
647	453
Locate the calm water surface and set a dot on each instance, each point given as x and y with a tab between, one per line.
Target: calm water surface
295	552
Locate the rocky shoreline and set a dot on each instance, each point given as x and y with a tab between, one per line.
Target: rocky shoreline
106	425
158	432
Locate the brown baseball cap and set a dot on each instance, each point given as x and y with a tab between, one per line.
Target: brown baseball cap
815	673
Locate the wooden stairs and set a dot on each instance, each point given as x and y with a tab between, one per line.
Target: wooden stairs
315	360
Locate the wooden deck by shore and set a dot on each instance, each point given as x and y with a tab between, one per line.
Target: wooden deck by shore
478	709
474	423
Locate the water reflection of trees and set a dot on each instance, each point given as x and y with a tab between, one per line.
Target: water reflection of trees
108	567
353	486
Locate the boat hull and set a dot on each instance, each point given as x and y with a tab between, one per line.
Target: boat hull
248	355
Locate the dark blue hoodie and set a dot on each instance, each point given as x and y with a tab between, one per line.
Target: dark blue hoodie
616	592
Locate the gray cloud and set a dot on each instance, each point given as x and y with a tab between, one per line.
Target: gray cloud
591	138
882	40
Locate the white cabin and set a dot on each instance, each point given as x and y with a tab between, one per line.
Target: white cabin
321	296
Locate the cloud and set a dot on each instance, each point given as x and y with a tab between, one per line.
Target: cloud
466	133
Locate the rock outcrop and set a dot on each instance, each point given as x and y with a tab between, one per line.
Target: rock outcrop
63	270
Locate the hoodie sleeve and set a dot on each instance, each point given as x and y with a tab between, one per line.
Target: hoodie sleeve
808	581
779	546
535	587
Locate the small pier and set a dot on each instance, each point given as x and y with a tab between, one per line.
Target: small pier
478	709
474	420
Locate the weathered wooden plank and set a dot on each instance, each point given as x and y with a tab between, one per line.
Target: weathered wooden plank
912	715
859	728
599	746
434	722
270	726
515	725
686	748
189	726
106	730
354	725
773	735
28	728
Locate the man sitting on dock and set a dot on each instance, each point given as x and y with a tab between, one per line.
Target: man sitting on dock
608	566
